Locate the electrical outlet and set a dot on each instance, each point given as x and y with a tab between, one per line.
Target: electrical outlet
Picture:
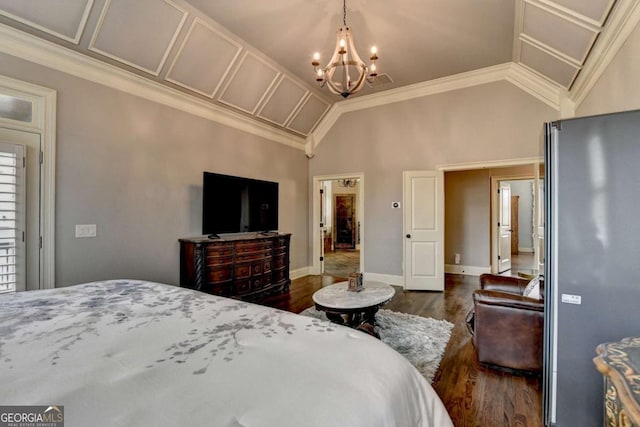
86	230
457	259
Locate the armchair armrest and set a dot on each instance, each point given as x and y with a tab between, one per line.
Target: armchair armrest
513	285
507	300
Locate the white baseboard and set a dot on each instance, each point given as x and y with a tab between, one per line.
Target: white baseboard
385	278
469	270
299	272
523	249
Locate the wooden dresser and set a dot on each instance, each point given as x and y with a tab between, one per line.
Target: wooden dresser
245	267
619	362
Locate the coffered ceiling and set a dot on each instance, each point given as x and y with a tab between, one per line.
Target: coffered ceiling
252	57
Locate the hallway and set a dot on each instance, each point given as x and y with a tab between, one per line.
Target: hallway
340	263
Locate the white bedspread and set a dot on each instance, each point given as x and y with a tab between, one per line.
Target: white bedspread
131	353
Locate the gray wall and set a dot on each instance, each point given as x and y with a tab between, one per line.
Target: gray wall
134	168
617	89
467	204
488	122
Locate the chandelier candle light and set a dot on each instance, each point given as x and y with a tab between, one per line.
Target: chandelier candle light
345	62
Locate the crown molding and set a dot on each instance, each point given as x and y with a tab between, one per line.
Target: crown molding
535	85
623	20
540	88
31	48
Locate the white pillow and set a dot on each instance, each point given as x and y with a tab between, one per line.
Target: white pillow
533	289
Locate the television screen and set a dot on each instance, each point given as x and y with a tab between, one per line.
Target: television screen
231	204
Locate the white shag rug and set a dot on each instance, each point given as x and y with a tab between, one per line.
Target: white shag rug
421	340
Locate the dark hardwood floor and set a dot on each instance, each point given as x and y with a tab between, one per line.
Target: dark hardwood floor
474	395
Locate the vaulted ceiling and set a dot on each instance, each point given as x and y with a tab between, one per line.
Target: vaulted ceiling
253	57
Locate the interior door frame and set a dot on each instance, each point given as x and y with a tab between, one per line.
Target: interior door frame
43	123
316	238
533	161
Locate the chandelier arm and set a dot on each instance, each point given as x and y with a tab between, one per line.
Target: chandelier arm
338	89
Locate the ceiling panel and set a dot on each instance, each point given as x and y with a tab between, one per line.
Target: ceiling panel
249	84
595	10
548	65
309	115
558	33
64	22
283	101
204	59
138	33
417	40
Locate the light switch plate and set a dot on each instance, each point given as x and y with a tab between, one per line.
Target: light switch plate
86	230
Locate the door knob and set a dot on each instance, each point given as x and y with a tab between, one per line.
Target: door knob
408	236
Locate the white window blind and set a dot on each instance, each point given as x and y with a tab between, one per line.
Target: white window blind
12	217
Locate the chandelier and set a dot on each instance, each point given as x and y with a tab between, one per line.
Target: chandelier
347	182
346	72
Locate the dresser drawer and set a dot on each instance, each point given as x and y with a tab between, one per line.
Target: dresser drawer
214	261
242	287
280	242
253	247
219	275
243	271
222	289
266	267
278	275
250	256
217	251
279	262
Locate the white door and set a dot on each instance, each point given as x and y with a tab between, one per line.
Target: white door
12	217
504	228
424	231
31	260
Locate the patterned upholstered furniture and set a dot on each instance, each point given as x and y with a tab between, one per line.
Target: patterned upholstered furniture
619	363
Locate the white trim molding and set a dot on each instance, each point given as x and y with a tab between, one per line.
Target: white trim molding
536	86
468	270
621	23
44	123
390	279
299	272
489	164
31	48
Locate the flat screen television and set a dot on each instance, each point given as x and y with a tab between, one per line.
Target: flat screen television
232	204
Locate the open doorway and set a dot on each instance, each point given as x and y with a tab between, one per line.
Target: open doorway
338	212
472	215
521	211
341	231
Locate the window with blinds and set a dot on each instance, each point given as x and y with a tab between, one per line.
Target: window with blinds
12	216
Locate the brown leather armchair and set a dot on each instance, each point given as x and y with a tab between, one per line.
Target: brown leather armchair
507	327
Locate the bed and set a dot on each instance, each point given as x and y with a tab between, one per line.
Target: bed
133	353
